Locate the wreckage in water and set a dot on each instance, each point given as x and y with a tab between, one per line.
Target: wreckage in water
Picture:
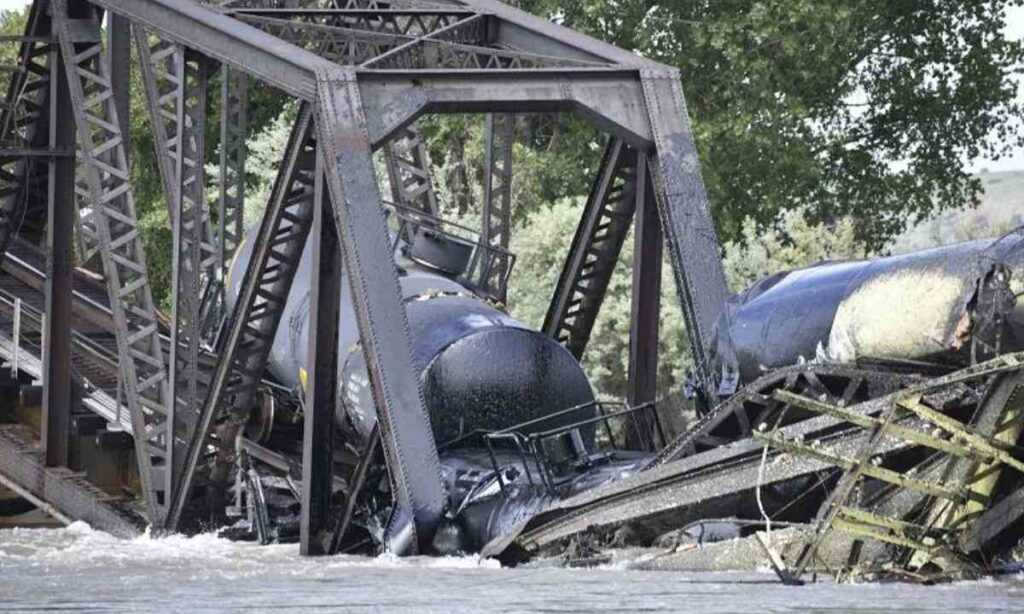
345	374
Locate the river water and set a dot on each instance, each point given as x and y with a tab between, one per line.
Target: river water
78	569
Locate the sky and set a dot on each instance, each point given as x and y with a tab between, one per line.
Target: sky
1014	29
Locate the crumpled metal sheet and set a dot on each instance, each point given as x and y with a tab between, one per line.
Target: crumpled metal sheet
944	305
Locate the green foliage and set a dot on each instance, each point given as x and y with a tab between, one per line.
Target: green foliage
864	109
541	245
543	241
797	243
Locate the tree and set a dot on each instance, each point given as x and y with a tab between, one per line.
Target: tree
864	109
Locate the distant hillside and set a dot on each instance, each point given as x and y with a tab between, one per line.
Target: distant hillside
1001	210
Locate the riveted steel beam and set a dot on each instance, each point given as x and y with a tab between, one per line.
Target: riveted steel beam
645	309
406	433
607	218
315	526
518	29
408	166
250	329
612	99
496	229
56	410
686	221
107	210
227	40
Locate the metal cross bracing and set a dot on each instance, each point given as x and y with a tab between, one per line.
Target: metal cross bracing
396	21
409	171
588	268
401	59
176	88
496	225
24	130
252	325
107	212
231	181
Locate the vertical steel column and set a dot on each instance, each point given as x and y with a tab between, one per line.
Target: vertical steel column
175	81
686	220
595	250
193	254
234	111
321	383
643	329
120	53
497	209
109	225
56	420
406	433
409	171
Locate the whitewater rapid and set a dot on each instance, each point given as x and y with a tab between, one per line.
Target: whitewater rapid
79	569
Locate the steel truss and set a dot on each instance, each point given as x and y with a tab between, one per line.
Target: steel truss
108	225
231	182
363	71
24	132
500	135
251	326
176	86
595	250
409	171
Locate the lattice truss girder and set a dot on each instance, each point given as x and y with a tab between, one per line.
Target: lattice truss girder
231	186
176	90
394	35
496	228
24	127
408	165
108	225
595	249
262	297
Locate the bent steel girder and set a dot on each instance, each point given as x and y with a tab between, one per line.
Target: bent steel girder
492	59
254	320
409	445
607	218
107	208
412	23
408	166
234	109
496	227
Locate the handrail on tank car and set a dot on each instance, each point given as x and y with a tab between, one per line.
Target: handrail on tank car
484	256
528	444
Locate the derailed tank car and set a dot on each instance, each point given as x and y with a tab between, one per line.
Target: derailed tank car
511	409
867	424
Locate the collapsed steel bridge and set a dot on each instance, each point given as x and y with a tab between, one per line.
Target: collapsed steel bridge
363	72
